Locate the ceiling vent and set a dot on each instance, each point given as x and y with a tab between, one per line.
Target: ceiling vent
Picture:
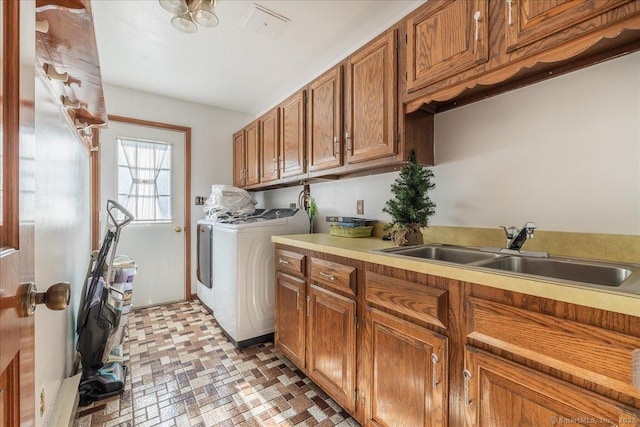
265	22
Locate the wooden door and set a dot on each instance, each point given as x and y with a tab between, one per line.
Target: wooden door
331	340
269	146
292	140
17	382
528	21
290	317
239	159
325	121
252	150
407	372
371	100
500	393
445	38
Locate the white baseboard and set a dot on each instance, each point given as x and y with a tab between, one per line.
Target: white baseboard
66	405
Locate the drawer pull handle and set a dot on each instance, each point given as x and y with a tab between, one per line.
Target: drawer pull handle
434	362
509	5
467	378
283	261
328	275
476	18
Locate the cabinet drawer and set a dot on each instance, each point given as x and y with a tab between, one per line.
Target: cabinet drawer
333	275
290	262
598	355
418	301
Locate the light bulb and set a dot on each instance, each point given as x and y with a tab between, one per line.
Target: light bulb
177	7
184	23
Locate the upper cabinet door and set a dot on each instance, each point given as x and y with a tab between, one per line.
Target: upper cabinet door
446	38
371	100
269	145
325	121
252	150
528	21
292	142
239	159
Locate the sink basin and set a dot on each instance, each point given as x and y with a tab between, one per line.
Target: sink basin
575	271
444	253
618	277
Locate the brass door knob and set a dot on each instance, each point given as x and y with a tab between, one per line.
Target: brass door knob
55	298
178	229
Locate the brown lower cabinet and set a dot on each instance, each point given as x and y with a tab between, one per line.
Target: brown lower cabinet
400	348
331	344
503	393
408	372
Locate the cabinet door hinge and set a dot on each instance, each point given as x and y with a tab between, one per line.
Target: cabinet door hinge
355	320
396	42
355	394
406	38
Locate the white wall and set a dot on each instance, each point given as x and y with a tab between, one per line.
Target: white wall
62	243
564	153
211	136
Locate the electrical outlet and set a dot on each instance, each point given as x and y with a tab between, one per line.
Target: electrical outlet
200	200
360	207
42	403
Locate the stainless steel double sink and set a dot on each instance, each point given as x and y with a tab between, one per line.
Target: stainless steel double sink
600	274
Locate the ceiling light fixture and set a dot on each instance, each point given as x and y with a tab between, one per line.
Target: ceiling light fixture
189	12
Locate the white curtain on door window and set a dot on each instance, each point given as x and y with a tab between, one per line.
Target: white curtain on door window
144	160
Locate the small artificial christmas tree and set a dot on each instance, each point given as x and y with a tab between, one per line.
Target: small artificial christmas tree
411	207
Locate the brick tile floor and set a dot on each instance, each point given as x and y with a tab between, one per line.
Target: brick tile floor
184	372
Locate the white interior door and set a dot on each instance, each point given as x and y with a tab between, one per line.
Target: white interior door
133	171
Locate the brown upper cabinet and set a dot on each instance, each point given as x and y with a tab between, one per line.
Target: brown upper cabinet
372	100
528	21
269	146
368	113
460	51
444	39
292	135
324	124
245	156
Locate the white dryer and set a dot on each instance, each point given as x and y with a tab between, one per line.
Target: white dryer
205	262
244	273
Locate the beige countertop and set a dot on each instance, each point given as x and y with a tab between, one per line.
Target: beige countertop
361	249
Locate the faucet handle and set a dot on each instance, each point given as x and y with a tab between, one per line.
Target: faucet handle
510	232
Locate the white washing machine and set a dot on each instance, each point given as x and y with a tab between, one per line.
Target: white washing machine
244	273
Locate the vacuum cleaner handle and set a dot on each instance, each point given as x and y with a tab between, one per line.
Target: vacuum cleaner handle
128	217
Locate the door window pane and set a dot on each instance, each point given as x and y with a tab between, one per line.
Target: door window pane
144	179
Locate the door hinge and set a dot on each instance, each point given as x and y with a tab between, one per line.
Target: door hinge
355	394
406	38
355	320
396	40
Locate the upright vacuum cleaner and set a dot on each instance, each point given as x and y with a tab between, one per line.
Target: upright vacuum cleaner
99	316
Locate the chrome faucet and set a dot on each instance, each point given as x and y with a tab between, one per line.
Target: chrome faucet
516	238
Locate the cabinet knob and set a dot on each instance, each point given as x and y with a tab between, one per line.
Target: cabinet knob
476	18
467	377
328	276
